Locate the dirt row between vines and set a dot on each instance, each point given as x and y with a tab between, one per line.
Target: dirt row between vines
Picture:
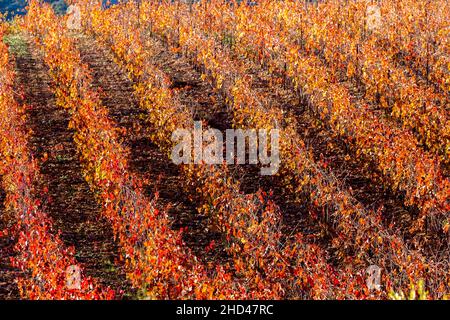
69	201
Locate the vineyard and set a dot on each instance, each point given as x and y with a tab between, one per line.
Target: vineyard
93	206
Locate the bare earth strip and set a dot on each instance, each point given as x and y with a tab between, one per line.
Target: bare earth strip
69	202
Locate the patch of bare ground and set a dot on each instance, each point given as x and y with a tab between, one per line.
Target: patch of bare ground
69	201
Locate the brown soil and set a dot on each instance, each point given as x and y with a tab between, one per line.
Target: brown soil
69	201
